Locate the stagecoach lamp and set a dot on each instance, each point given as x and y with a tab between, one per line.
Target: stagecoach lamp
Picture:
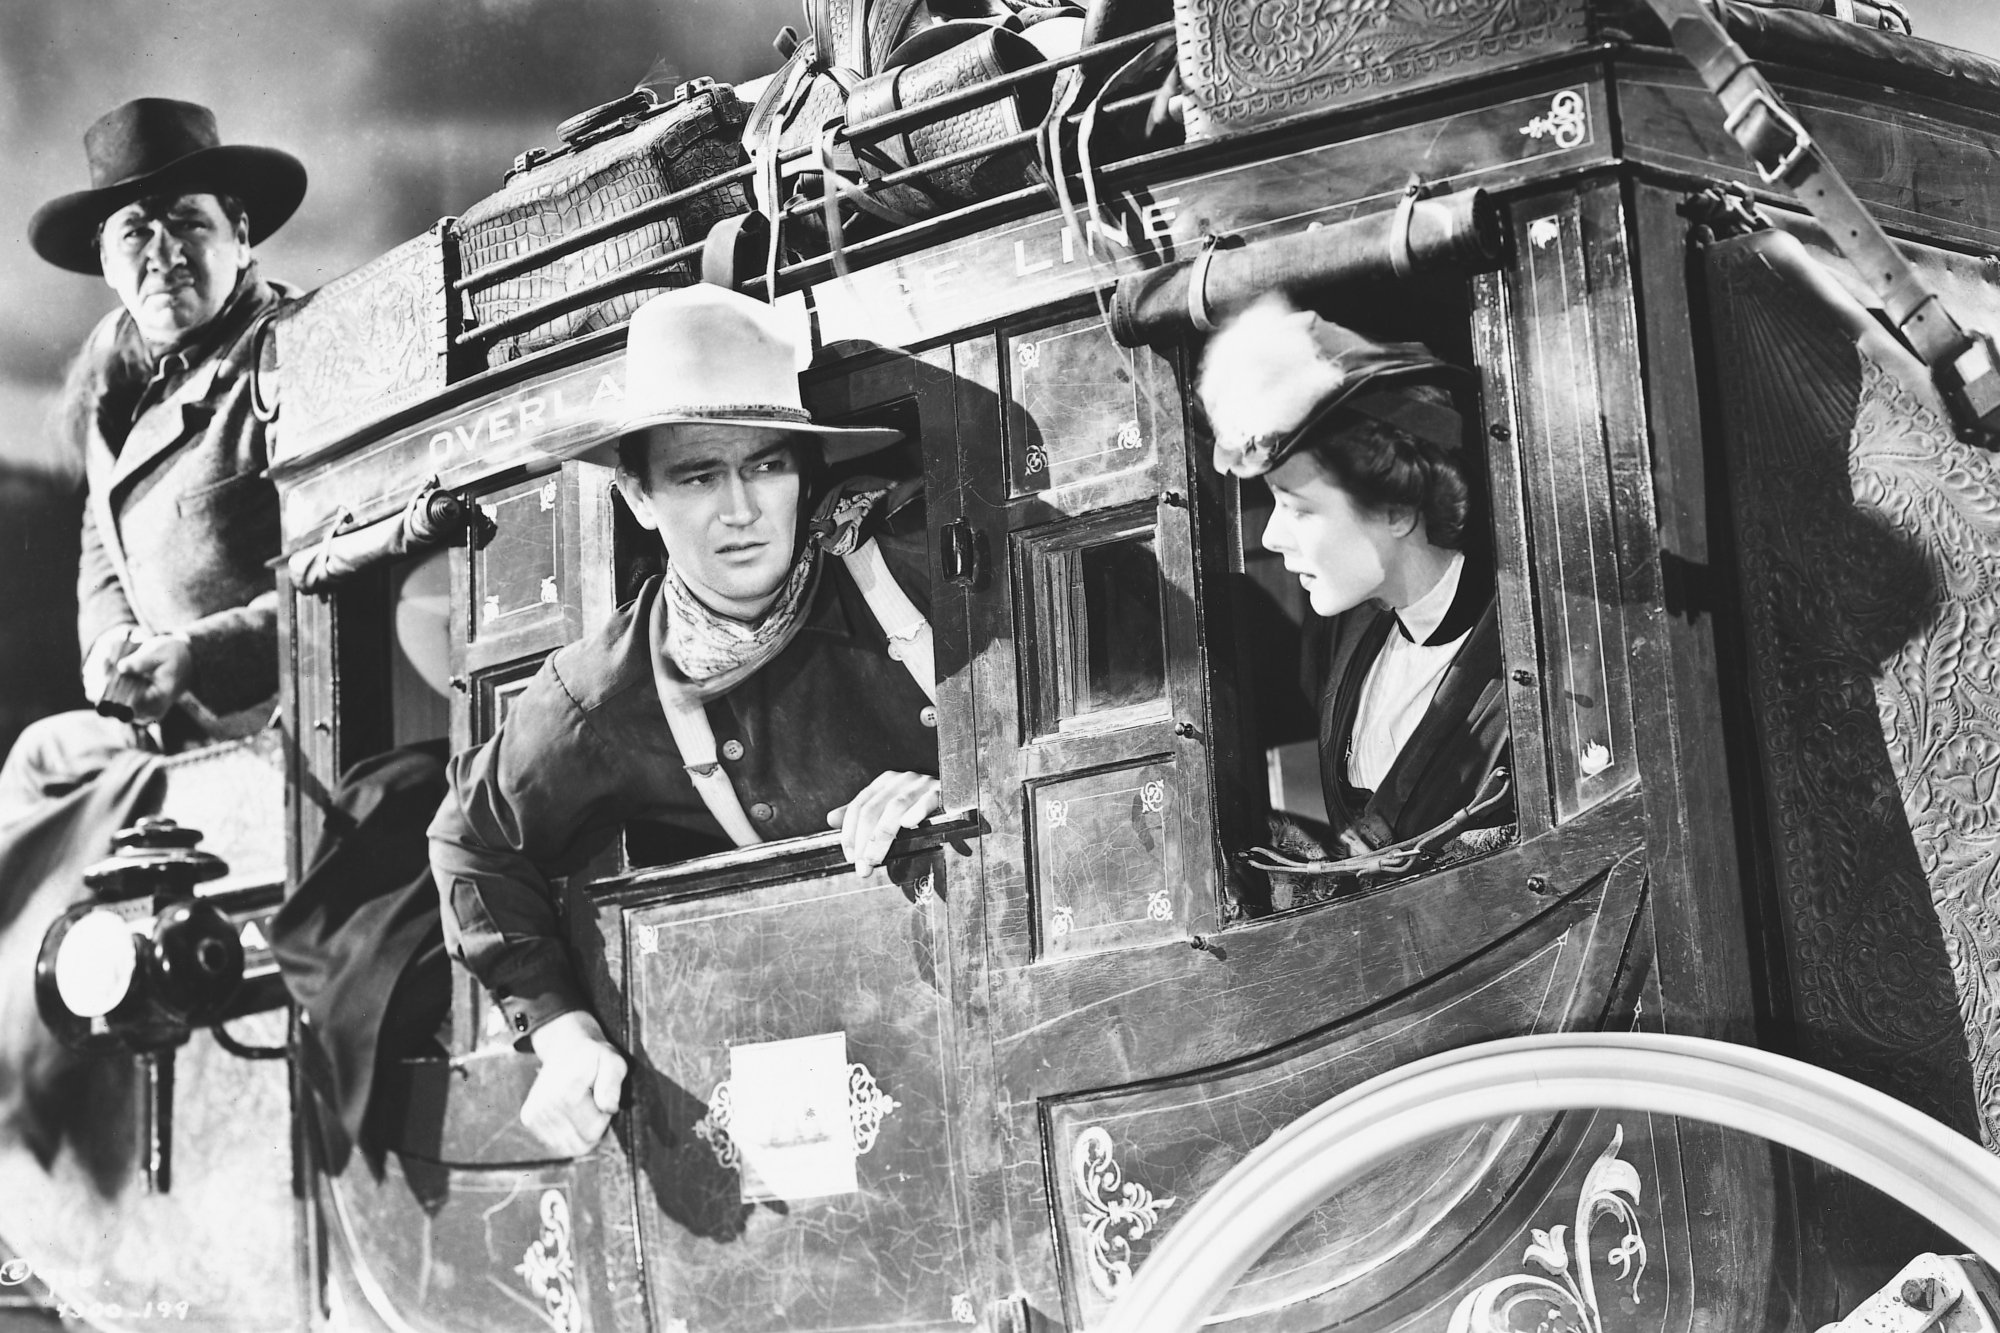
94	964
197	960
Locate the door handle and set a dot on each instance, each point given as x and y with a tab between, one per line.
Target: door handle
961	555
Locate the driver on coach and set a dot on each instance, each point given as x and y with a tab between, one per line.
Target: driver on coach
774	683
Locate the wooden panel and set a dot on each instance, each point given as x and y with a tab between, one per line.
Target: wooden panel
792	1045
1495	333
517	574
1556	122
1080	408
503	426
520	596
1702	969
1106	855
312	760
428	1248
1576	400
1919	165
361	347
1129	1163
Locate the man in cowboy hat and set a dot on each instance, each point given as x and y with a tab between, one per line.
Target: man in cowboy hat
777	681
1363	446
177	613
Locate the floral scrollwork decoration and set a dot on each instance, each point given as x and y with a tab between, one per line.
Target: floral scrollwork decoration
867	1107
1567	122
1116	1211
1565	1301
713	1128
549	1268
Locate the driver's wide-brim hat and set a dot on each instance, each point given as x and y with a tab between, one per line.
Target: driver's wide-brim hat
1274	376
709	355
156	146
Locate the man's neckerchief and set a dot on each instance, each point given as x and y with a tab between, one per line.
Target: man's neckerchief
716	653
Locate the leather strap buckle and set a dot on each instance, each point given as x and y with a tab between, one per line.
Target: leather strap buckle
1756	136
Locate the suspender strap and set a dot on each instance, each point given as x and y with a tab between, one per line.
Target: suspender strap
908	632
1965	365
687	719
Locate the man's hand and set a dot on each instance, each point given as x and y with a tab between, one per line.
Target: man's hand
103	658
889	804
151	678
570	1106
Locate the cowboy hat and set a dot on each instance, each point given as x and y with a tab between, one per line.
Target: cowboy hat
1272	375
155	146
709	355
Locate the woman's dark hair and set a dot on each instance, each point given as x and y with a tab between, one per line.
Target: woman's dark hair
1386	469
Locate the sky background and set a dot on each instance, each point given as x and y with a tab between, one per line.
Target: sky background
404	111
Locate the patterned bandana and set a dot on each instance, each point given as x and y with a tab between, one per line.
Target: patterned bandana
716	653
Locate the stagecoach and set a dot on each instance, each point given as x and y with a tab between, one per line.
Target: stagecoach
1748	594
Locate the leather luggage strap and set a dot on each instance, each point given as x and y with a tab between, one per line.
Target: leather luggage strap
910	642
1965	365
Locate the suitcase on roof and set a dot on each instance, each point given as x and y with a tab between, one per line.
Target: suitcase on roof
614	159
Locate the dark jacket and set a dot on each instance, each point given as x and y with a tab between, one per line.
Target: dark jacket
181	520
585	749
1462	737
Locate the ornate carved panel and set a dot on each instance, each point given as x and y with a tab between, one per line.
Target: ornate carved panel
361	347
1869	546
1253	61
1869	565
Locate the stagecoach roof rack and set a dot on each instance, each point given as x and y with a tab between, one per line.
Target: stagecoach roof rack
879	128
1771	33
450	350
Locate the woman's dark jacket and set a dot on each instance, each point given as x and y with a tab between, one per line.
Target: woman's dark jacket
1463	735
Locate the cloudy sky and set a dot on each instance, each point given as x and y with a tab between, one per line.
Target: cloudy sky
403	110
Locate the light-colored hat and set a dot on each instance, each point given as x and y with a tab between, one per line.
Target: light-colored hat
710	355
1274	373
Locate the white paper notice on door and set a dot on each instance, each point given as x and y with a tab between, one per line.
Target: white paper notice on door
790	1118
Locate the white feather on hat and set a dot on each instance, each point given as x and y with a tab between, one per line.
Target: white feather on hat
1264	372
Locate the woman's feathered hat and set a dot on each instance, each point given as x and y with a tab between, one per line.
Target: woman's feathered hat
1274	374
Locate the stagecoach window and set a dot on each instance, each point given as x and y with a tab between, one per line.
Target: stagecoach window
1284	663
1098	638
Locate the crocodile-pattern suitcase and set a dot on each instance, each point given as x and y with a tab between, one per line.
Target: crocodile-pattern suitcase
614	159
